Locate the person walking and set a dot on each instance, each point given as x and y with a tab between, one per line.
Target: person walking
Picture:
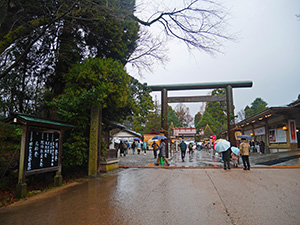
133	146
162	153
123	147
226	158
182	147
127	147
138	147
244	151
155	146
144	147
190	148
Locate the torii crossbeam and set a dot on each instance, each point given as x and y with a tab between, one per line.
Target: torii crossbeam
198	86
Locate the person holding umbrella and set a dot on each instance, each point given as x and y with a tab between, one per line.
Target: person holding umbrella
244	151
162	150
223	146
235	156
226	158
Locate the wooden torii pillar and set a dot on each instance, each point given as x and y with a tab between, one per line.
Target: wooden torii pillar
179	87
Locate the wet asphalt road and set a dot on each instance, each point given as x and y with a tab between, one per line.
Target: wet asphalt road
168	196
179	194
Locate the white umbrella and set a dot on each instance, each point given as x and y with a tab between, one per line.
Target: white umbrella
235	150
222	146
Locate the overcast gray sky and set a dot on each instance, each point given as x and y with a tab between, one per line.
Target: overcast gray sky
266	52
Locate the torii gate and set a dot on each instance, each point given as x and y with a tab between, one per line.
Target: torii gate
176	87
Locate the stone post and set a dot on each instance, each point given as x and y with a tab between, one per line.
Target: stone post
94	141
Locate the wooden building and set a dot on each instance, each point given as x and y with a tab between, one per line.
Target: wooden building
277	127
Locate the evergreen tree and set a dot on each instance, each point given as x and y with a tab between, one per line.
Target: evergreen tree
257	106
173	118
93	82
197	118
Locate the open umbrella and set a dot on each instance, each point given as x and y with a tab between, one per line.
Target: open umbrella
157	137
136	139
235	150
222	146
220	140
244	136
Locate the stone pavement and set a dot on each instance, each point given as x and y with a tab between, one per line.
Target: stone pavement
209	158
201	195
162	196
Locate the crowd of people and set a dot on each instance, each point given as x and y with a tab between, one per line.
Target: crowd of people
228	156
137	147
159	151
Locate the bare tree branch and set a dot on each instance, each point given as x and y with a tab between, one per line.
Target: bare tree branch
149	51
199	24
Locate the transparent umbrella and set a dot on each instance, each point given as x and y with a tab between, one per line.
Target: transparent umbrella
222	146
235	150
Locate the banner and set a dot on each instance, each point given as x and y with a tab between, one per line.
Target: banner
292	131
214	141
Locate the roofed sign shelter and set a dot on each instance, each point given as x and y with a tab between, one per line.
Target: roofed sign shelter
179	87
41	148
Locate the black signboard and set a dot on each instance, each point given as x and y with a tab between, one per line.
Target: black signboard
42	150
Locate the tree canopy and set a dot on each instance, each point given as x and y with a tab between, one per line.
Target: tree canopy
101	82
183	114
72	54
257	106
214	115
60	32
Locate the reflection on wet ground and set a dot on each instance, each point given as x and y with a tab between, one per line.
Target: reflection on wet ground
280	160
211	158
204	158
160	196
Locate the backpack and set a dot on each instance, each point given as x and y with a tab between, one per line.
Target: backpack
182	146
133	145
124	145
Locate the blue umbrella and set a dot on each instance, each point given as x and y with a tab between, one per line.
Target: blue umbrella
222	146
136	139
157	137
235	150
244	136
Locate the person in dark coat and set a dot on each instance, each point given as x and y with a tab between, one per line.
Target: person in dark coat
133	146
182	147
262	147
162	153
123	147
226	158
